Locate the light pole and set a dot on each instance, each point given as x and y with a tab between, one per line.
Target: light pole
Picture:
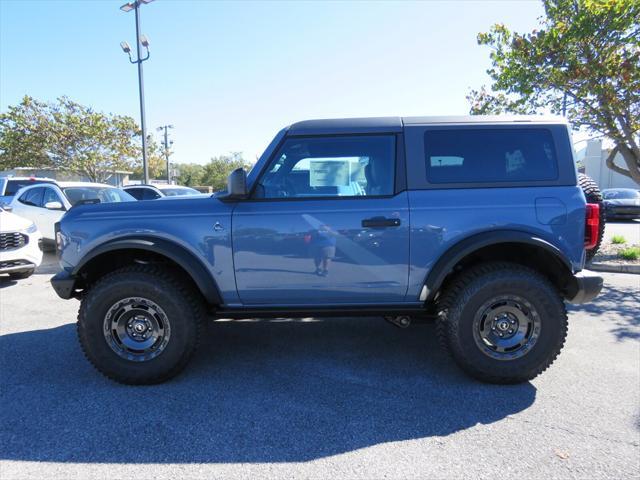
167	143
141	40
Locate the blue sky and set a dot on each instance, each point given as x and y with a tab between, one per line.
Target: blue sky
229	75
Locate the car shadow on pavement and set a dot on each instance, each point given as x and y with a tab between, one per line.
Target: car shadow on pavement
257	391
620	304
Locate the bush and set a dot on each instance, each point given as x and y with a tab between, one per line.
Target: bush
631	253
618	239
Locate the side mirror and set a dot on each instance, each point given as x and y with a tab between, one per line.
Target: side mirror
236	185
53	206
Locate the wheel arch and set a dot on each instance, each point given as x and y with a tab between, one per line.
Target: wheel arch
116	253
503	245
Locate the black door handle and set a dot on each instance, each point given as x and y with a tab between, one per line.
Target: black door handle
380	222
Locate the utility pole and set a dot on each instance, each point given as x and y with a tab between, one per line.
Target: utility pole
167	144
141	40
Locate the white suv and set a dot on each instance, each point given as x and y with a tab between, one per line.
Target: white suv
20	246
46	204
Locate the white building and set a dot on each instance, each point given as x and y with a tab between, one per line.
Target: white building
593	157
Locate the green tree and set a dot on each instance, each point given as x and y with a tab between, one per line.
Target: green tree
157	162
190	174
218	169
67	136
585	58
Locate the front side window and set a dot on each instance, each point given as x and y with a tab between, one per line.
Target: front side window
341	166
150	194
490	155
32	197
50	195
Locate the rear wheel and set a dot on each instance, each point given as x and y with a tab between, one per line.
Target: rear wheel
502	322
140	324
593	195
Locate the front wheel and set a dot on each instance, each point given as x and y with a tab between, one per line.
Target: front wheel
140	324
502	322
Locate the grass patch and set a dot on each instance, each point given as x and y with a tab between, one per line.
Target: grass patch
631	253
618	240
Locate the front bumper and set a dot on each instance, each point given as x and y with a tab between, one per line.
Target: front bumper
586	287
64	284
24	259
622	212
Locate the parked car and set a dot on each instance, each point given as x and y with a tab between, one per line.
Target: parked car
20	246
153	192
476	222
46	204
621	203
10	185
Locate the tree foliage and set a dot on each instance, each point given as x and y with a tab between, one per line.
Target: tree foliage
67	136
190	174
586	57
215	172
156	160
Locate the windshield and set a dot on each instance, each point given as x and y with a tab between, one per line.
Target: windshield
103	194
620	194
176	192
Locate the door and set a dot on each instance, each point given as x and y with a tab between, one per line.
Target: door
28	205
326	223
50	216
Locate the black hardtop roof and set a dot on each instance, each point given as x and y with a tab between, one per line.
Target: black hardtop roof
395	124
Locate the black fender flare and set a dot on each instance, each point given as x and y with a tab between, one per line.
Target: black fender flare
445	264
167	248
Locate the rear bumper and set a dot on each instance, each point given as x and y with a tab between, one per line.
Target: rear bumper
64	284
587	286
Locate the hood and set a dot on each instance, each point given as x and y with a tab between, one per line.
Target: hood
168	206
10	222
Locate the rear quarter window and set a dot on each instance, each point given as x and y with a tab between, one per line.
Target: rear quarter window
490	155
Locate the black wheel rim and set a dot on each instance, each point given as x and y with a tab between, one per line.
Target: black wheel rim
137	329
506	327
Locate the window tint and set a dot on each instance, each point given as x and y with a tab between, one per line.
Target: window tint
490	155
32	197
50	195
136	193
14	185
331	167
150	194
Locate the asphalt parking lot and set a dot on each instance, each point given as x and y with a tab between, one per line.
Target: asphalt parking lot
334	398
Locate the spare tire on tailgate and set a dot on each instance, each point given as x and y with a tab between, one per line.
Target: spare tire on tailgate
593	195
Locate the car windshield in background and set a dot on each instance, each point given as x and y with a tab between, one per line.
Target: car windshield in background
620	194
178	192
101	194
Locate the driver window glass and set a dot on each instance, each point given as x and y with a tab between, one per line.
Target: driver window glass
50	195
32	197
343	166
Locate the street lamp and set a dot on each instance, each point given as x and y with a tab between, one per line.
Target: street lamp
141	40
167	143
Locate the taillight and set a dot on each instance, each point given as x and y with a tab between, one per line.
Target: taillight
592	225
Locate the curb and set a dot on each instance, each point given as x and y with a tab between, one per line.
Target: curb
613	268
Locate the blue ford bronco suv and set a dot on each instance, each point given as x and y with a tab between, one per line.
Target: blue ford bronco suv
476	222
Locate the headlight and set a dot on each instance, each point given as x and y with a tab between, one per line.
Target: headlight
31	228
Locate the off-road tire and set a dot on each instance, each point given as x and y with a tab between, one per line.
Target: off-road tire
593	195
183	307
464	297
